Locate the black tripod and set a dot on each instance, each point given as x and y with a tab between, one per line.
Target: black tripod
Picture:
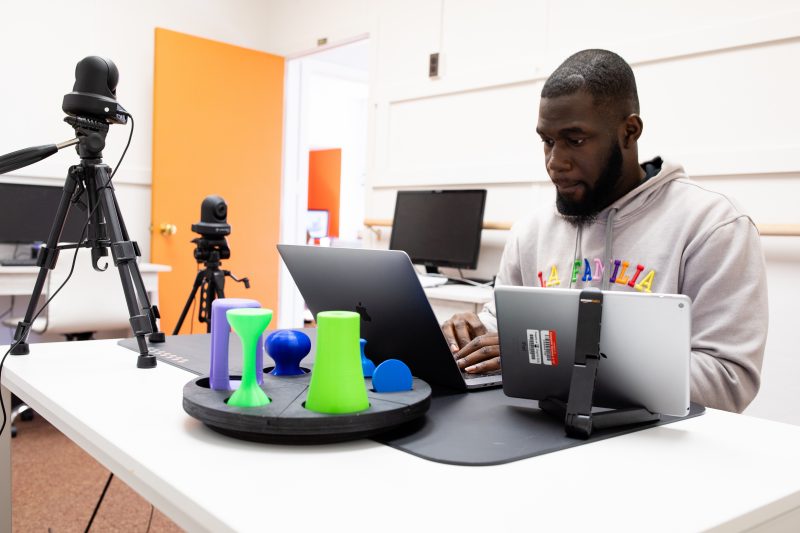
106	229
211	280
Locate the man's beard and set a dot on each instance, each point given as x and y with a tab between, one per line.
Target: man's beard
597	198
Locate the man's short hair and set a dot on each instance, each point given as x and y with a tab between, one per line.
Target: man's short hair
603	74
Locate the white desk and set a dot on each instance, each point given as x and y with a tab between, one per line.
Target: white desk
19	280
720	470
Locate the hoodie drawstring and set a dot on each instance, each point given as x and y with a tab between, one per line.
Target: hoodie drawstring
609	236
575	254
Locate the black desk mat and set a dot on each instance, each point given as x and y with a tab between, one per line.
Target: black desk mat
487	427
477	428
193	352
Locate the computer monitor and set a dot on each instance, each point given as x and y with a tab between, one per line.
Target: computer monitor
317	223
439	228
27	213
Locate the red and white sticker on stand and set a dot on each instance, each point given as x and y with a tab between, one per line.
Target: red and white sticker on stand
542	347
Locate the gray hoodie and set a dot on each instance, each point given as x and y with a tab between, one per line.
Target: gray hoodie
669	235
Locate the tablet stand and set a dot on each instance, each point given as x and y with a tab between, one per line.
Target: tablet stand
579	421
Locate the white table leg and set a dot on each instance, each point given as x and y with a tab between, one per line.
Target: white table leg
5	466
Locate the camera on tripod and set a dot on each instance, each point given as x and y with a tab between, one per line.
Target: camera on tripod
213	227
91	107
210	249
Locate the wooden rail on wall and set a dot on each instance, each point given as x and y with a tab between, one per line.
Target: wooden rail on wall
765	230
779	230
387	223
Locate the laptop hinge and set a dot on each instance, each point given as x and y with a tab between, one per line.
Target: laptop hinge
579	420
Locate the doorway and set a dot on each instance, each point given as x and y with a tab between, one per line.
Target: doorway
326	109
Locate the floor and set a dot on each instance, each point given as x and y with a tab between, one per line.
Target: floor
56	486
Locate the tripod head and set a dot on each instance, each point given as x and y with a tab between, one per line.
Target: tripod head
91	136
91	107
210	251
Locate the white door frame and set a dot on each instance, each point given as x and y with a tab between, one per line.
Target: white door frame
294	180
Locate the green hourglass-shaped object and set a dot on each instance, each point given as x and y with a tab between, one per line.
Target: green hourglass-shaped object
249	324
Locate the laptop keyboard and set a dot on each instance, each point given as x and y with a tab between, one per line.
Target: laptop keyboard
468	376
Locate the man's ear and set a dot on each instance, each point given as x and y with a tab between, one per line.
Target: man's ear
631	130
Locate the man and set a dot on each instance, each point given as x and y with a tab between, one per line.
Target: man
619	225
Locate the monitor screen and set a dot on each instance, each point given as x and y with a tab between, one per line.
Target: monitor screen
439	228
27	213
317	223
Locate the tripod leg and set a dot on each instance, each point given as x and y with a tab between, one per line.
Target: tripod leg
152	310
124	254
121	221
47	260
213	289
98	237
198	281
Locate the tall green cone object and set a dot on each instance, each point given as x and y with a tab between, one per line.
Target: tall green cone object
337	379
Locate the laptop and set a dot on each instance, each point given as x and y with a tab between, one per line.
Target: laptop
645	340
396	318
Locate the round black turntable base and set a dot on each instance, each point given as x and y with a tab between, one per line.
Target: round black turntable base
285	420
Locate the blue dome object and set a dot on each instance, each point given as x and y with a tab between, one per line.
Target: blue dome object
392	375
287	348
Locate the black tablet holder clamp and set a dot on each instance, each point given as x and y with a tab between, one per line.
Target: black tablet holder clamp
579	420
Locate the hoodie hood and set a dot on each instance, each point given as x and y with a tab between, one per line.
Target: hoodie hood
628	207
641	197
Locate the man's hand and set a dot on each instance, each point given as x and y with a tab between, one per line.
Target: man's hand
474	349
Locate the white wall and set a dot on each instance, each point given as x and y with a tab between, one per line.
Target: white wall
293	26
43	40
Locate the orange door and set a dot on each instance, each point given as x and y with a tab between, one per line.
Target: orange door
217	129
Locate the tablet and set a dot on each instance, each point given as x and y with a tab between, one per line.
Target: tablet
645	344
